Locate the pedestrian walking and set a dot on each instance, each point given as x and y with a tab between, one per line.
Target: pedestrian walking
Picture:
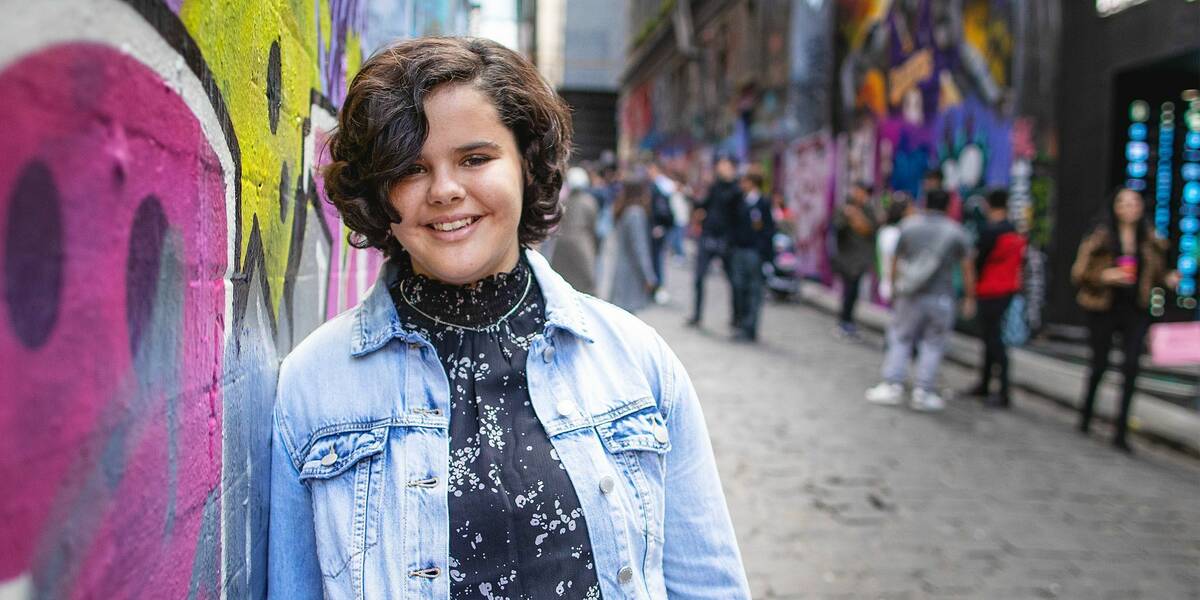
681	210
1117	265
854	230
605	187
900	207
999	258
463	431
633	278
716	210
575	249
930	247
750	247
662	220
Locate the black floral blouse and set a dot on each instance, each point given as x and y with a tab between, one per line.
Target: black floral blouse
517	530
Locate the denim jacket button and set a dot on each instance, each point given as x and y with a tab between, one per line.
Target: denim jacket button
625	575
606	484
548	354
566	408
329	459
660	434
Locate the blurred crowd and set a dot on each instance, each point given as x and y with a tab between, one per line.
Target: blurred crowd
931	259
622	225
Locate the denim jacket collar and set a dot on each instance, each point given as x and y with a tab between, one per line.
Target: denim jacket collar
376	322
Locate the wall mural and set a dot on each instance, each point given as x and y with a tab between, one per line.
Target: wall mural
935	85
165	243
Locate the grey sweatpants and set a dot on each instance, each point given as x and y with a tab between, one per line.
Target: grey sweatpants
926	320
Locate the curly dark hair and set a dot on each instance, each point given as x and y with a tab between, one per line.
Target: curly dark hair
382	127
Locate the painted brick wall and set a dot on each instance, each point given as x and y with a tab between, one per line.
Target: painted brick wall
163	243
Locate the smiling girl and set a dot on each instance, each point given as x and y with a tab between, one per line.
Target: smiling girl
476	428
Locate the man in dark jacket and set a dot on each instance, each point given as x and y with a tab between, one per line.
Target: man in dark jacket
716	209
999	258
750	236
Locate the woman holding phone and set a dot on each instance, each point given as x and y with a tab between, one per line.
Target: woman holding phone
1117	266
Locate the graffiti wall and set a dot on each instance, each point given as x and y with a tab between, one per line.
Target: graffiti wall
164	244
954	86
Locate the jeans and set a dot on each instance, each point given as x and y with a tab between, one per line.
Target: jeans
995	353
747	279
850	285
928	318
675	239
709	249
658	255
1132	322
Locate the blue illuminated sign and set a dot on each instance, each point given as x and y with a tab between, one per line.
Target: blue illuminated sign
1162	175
1189	212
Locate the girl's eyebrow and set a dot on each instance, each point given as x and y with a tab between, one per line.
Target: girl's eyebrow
477	145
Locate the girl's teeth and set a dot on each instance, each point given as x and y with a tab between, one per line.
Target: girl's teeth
451	226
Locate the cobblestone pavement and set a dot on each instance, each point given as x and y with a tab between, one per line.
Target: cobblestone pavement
835	498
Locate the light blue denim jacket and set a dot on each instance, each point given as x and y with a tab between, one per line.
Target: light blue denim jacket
360	456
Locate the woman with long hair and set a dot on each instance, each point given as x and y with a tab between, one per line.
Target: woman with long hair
633	279
475	427
1117	266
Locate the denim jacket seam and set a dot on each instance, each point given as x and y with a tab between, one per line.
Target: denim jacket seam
667	369
634	406
289	443
352	426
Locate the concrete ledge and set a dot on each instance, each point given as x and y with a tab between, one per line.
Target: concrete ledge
1058	380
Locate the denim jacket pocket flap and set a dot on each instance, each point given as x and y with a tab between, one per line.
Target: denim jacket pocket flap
332	454
643	430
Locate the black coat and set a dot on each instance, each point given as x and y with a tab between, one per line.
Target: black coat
719	204
753	227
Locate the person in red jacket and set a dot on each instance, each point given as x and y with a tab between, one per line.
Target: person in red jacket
999	257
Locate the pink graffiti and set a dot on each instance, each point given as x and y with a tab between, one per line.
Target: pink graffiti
807	174
110	438
345	287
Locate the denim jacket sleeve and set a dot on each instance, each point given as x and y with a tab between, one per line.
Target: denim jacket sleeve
292	569
701	557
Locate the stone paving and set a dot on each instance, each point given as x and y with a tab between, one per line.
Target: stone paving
836	498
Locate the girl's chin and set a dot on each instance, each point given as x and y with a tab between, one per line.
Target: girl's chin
461	272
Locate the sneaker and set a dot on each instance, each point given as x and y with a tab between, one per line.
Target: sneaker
661	296
849	334
926	401
885	393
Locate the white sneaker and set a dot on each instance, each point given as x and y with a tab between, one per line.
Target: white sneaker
661	296
926	401
886	393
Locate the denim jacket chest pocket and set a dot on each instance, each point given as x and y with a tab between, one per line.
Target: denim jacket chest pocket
635	437
344	471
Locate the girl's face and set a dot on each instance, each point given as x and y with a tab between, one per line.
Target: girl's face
460	202
1128	206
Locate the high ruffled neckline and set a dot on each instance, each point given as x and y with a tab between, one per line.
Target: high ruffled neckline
475	305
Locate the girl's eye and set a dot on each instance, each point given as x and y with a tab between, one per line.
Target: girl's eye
475	160
412	170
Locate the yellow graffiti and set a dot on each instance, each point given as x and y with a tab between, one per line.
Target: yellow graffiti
914	71
236	39
990	37
354	55
859	16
